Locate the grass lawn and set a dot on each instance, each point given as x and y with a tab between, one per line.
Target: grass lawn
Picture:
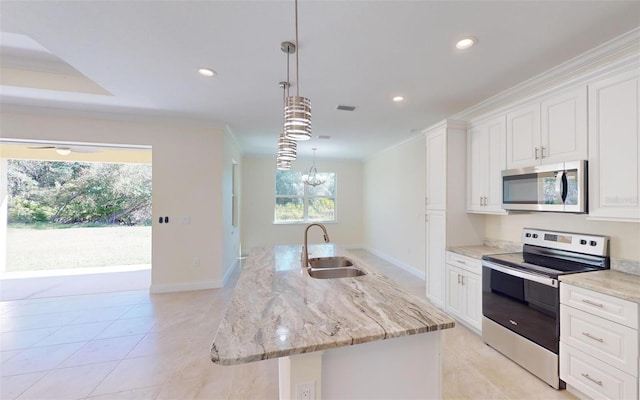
40	249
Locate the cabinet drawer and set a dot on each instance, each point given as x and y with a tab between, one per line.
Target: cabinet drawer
612	308
464	262
594	378
612	343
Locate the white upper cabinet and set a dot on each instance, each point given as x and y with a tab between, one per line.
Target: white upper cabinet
551	131
436	170
614	148
523	137
564	127
486	158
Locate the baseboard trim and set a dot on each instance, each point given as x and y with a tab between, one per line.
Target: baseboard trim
407	267
157	288
230	271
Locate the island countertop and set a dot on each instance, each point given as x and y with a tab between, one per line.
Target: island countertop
278	310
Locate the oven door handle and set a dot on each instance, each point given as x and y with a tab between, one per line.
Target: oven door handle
513	272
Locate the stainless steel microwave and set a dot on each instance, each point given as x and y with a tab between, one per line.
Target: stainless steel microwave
554	187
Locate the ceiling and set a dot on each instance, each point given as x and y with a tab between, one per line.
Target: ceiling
139	60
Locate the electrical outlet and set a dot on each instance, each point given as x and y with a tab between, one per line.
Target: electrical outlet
305	391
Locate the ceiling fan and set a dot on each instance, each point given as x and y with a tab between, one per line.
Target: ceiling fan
66	150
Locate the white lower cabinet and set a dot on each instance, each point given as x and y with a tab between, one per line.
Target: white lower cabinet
598	343
464	290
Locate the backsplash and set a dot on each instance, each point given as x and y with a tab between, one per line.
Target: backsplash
503	244
628	266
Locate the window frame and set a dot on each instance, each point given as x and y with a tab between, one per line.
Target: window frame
306	197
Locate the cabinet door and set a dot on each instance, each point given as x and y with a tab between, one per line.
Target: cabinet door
523	137
564	127
476	168
435	257
472	288
614	148
496	162
436	170
454	296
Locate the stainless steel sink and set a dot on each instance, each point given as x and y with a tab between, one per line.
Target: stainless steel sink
331	273
330	262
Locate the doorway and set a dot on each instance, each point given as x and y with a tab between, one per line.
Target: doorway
75	219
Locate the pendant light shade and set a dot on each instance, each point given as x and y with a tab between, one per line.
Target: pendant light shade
283	165
297	118
287	148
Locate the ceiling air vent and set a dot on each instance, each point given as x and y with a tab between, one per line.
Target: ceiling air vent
345	108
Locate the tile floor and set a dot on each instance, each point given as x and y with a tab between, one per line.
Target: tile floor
132	345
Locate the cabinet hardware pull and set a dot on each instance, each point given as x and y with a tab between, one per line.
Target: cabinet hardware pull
458	278
599	383
426	201
537	154
512	322
462	262
541	152
462	280
590	336
592	303
485	200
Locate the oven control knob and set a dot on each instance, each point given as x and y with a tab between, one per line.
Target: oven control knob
582	241
593	243
527	234
535	235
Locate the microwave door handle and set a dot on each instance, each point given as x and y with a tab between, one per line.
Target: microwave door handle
560	187
565	187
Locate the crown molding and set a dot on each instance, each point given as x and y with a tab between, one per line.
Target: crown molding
620	53
447	123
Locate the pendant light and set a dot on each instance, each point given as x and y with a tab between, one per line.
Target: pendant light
283	165
297	110
312	177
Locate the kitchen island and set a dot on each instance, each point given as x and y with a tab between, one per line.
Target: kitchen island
278	311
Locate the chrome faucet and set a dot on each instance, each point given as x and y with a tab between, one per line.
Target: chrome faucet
305	248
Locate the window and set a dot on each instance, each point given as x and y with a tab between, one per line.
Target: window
298	202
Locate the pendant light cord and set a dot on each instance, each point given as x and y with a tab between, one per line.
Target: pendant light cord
297	51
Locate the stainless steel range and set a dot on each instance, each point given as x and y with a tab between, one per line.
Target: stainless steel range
521	296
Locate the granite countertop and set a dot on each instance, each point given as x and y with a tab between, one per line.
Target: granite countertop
614	283
476	251
278	310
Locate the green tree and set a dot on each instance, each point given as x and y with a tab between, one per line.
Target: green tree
69	192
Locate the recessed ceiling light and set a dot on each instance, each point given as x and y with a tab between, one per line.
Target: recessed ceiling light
206	72
398	99
466	43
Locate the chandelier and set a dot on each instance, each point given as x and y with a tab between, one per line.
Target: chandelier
311	178
297	109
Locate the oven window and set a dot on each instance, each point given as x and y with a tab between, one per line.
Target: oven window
525	307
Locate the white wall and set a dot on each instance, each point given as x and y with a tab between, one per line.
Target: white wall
187	182
258	194
394	185
625	236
